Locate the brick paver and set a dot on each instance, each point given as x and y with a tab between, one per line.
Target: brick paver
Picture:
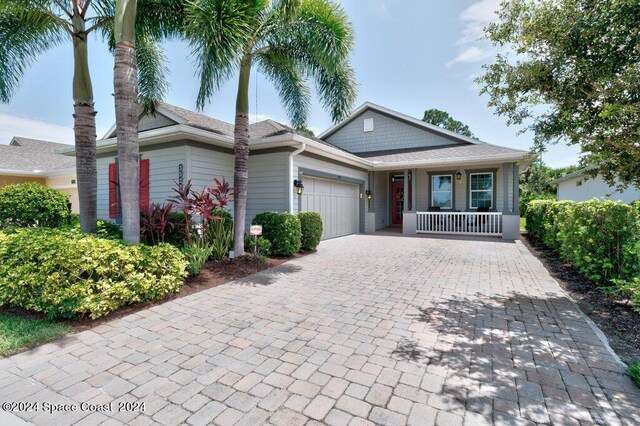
369	330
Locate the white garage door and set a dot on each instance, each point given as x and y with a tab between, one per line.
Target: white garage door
337	202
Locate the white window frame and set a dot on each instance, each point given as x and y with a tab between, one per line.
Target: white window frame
433	190
491	190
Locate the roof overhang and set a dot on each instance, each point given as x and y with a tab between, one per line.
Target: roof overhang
38	173
523	161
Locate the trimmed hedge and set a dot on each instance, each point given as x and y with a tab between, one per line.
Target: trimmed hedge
63	273
311	226
600	238
282	230
33	204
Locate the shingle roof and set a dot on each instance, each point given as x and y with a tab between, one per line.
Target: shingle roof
481	151
29	155
200	121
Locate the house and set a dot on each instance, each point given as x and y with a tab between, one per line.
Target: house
33	160
376	169
580	186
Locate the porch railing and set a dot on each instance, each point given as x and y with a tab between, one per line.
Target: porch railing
469	223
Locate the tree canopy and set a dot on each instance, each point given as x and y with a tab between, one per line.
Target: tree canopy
442	119
570	71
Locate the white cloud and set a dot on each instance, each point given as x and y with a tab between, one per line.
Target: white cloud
13	125
475	18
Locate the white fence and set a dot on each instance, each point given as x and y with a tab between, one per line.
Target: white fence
463	223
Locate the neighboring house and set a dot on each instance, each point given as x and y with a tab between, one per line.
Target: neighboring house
579	186
33	160
355	174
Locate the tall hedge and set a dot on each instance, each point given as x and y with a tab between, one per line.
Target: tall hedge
311	226
600	238
33	204
64	273
282	230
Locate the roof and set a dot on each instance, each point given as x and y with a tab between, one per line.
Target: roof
577	173
370	106
456	153
34	156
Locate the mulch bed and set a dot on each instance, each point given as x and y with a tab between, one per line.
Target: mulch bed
619	322
214	273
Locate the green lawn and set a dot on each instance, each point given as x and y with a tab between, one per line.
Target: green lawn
18	333
634	372
523	223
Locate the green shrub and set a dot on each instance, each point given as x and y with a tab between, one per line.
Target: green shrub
33	204
311	226
282	230
634	372
219	234
259	246
63	273
196	257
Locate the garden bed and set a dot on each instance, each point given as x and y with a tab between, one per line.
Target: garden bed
619	322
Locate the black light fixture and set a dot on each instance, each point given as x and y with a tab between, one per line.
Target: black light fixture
299	186
369	194
459	176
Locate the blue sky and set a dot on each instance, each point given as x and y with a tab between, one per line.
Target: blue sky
410	55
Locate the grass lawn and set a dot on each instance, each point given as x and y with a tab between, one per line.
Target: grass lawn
18	333
523	222
634	372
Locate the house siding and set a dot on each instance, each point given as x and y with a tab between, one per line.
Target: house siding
163	173
204	165
388	134
594	187
267	189
381	198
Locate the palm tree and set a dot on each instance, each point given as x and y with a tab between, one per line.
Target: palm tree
28	28
290	41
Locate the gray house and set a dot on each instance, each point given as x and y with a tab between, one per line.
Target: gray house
376	169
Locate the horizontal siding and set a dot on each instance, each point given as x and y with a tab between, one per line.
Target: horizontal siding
388	134
163	173
207	164
594	187
267	184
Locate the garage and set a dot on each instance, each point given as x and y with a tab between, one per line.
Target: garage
336	201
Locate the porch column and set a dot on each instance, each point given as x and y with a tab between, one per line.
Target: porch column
414	174
370	216
505	187
405	204
370	187
516	189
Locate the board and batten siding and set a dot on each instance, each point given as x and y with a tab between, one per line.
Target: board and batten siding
388	134
204	165
381	193
163	173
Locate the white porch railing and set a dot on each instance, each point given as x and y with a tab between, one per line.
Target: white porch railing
467	223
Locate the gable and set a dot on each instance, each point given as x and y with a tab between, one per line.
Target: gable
149	122
386	133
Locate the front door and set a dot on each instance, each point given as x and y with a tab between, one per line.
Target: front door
397	203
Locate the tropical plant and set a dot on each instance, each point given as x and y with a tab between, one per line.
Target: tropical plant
568	70
182	199
33	204
155	223
442	119
29	28
290	41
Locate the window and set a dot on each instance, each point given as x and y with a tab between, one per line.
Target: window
368	124
481	190
442	191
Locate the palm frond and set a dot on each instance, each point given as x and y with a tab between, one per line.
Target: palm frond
161	19
152	72
218	31
26	31
290	82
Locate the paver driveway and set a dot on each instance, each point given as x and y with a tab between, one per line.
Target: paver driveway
380	329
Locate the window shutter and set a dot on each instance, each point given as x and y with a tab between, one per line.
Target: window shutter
144	184
113	191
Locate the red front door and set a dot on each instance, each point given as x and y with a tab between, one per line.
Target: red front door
397	203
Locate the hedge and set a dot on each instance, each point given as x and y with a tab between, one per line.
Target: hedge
64	273
601	239
282	230
311	226
33	204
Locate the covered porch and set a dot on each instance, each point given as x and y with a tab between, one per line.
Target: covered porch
478	199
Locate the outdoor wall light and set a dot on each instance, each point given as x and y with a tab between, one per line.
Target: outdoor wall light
299	186
459	176
369	195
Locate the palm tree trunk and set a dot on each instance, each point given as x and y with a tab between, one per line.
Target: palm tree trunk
241	149
84	116
125	82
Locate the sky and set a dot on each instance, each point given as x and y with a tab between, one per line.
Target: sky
410	55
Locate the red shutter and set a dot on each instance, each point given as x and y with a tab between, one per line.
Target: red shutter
144	184
113	191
